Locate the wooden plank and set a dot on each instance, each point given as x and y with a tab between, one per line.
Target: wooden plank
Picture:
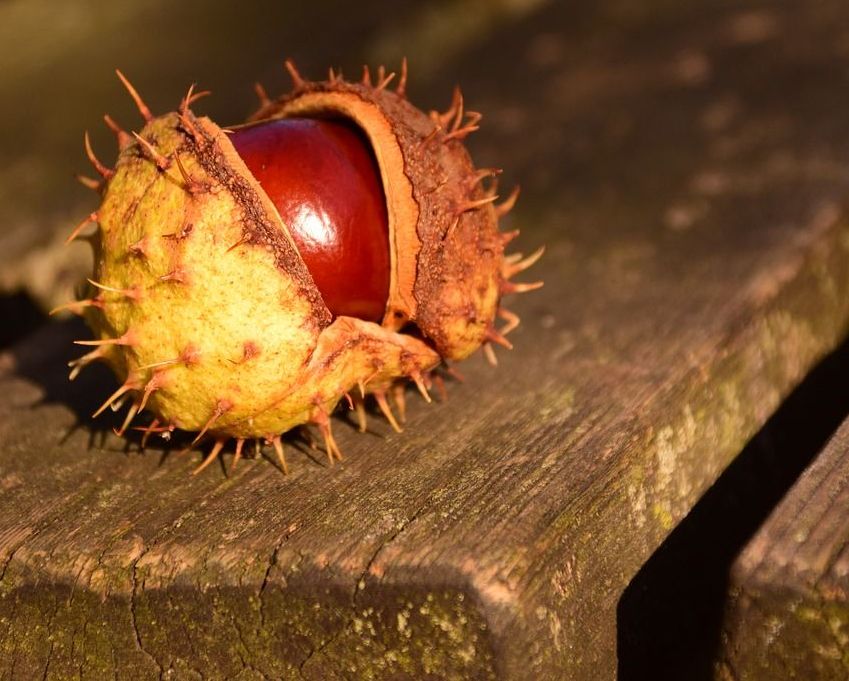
696	269
788	607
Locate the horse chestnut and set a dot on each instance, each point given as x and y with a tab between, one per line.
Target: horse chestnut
337	245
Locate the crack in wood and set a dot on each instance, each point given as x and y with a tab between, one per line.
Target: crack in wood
357	588
133	617
49	659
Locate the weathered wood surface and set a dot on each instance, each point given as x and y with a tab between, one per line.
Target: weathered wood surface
685	166
788	611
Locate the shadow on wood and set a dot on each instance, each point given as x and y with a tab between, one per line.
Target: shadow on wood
670	617
20	316
42	358
787	607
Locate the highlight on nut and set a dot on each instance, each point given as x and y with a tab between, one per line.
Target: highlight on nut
337	247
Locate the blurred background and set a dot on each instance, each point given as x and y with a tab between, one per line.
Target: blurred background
569	90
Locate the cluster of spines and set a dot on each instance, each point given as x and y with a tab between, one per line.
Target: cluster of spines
456	123
453	124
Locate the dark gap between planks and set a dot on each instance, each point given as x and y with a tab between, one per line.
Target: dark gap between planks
669	618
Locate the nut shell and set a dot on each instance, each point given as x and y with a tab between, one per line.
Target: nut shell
204	308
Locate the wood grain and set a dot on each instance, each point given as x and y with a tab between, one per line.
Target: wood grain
685	167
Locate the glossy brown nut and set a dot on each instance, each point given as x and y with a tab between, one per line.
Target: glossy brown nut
324	181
